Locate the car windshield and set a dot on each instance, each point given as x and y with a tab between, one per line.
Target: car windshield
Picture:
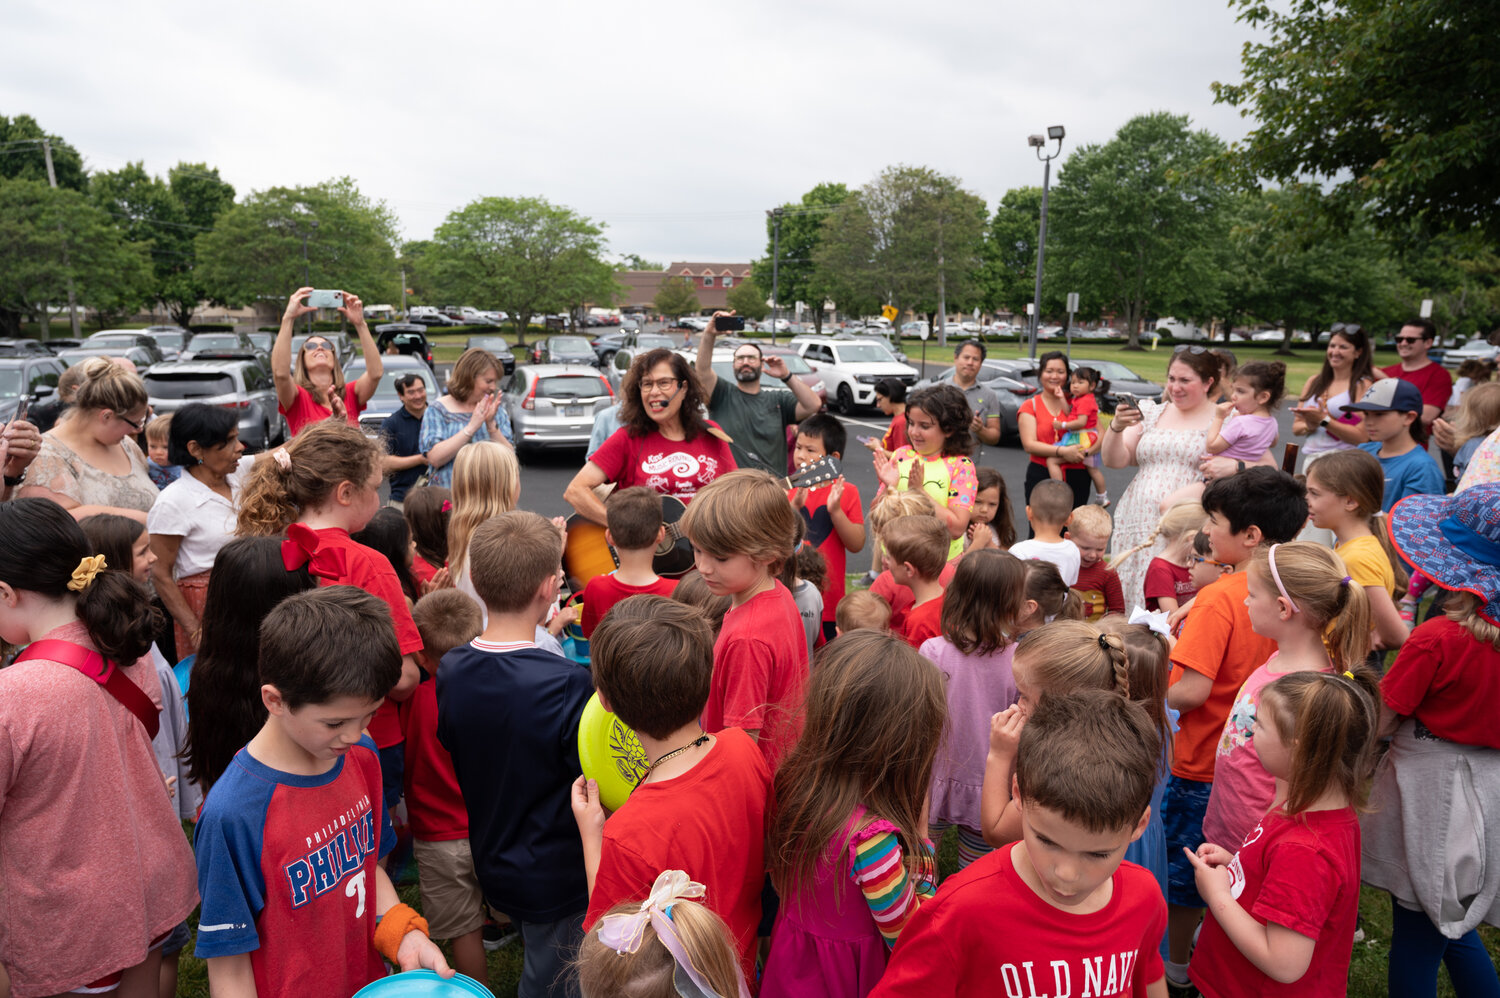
864	353
172	341
10	382
575	344
655	341
571	386
263	341
215	341
387	386
187	385
494	344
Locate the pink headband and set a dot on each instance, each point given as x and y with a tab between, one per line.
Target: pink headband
1271	557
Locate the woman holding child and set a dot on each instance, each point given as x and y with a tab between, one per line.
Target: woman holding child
665	442
1040	420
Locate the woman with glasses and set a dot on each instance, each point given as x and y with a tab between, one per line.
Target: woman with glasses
470	411
89	462
666	442
315	389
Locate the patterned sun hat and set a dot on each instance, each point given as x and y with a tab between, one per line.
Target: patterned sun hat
1454	541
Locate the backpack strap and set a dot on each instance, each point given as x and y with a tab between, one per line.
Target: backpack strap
101	671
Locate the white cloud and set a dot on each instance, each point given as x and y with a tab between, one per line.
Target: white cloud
675	123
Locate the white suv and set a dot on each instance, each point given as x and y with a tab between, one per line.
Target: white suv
851	368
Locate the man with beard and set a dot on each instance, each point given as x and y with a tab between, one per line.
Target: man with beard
755	419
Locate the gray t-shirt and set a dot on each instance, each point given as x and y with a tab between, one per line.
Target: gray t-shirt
756	422
983	402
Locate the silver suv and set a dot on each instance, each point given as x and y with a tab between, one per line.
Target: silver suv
239	385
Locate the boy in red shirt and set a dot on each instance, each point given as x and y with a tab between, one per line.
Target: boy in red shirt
1217	651
451	898
1089	528
1059	912
701	807
634	531
916	549
835	517
743	529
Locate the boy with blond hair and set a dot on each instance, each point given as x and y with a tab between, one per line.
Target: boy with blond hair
1089	528
862	610
888	506
916	550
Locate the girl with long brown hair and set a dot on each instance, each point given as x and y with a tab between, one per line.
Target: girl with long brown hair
848	850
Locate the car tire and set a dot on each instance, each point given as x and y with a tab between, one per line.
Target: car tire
845	397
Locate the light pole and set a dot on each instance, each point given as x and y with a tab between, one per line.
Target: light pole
1039	143
307	267
775	214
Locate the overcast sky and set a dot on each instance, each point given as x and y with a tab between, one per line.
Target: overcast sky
674	124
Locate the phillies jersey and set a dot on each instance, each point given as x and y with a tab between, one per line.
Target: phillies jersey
286	870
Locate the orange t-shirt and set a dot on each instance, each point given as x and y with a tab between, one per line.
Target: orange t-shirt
1218	642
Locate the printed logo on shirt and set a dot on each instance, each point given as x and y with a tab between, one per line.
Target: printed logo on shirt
342	846
662	469
1098	976
1237	869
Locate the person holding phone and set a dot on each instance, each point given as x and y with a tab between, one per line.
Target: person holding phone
470	411
315	389
755	420
19	443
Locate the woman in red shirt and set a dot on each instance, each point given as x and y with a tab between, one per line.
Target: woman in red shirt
1041	421
316	390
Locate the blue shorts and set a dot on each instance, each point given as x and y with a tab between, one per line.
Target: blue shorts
1182	809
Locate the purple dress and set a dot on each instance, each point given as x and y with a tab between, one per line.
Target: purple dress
978	687
825	943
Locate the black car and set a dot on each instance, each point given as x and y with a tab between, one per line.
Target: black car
496	345
408	338
564	350
35	376
24	348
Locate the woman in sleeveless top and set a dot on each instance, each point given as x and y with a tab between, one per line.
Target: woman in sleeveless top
1321	415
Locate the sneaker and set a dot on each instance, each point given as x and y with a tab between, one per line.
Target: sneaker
497	935
1102	502
1175	990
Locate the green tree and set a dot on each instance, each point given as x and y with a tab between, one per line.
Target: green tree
48	237
527	255
1136	226
1007	276
748	299
1391	104
21	156
255	248
676	297
910	238
796	276
634	261
1459	271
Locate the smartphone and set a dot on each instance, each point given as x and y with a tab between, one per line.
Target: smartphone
867	441
1126	399
730	323
325	299
21	407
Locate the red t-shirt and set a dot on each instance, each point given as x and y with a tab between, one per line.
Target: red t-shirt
900	599
672	467
369	570
1433	381
822	535
987	933
604	591
433	800
923	621
760	672
1084	405
1301	873
1163	578
895	435
1448	681
1218	642
307	410
1099	585
1045	434
421	570
709	822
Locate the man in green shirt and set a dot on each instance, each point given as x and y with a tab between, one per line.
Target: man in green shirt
756	420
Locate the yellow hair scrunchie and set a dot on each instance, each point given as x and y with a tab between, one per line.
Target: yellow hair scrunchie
83	575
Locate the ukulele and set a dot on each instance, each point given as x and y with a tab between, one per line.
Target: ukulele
588	554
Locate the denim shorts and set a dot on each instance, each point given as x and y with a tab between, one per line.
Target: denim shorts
1182	809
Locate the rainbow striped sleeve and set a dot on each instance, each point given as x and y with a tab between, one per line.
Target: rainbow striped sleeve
879	868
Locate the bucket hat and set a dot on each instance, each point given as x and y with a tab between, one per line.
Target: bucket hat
1454	541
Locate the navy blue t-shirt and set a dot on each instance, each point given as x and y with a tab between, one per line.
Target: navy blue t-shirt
403	432
510	720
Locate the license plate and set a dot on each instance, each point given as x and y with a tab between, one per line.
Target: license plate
572	410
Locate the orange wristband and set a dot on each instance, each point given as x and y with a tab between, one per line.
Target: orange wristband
393	927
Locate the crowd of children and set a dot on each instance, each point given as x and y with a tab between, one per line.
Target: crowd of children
1142	799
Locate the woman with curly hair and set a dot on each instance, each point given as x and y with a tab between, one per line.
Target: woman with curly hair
666	443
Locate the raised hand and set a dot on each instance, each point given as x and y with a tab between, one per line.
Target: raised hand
295	308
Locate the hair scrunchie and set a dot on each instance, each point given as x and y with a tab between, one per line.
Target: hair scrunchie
283	458
1104	642
83	575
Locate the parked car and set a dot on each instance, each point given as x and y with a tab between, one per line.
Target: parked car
35	375
139	356
723	363
553	405
24	348
263	341
432	319
497	345
409	339
241	385
1119	377
385	400
1475	349
224	346
608	344
1001	376
172	339
126	338
851	368
563	350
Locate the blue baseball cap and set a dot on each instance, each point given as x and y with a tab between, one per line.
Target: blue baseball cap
1454	541
1389	395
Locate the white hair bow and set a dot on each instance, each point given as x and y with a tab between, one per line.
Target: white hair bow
1154	619
624	933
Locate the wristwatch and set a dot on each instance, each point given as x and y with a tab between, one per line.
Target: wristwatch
1324	422
11	481
788	379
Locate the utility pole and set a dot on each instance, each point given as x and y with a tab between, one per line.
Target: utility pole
1055	133
775	214
403	294
67	264
942	291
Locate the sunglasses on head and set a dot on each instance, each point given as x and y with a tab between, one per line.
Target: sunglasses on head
1191	348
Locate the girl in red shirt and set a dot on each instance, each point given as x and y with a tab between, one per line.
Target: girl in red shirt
428	511
1283	909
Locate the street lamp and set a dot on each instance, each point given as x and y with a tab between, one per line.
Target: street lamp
306	267
1039	143
775	215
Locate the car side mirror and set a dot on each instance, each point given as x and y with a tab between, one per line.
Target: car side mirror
43	391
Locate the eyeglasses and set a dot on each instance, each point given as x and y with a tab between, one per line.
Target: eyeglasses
664	384
1410	339
138	427
1221	566
746	356
323	345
